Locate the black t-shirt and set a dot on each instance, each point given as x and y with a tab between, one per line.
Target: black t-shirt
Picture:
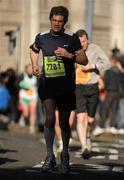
58	73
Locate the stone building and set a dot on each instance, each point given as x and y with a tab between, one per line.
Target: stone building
21	20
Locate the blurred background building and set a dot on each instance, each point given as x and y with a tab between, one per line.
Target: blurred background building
21	20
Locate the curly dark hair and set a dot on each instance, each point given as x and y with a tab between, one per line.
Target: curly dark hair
59	10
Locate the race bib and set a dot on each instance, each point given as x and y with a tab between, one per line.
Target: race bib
29	92
54	66
81	76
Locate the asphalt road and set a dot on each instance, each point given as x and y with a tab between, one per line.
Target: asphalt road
21	157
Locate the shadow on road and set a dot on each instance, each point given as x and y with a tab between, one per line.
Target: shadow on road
7	150
6	160
78	172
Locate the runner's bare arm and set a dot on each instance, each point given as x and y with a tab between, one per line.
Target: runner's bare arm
34	59
81	57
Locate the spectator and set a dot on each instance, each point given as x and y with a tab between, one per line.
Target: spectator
28	98
108	113
4	97
12	88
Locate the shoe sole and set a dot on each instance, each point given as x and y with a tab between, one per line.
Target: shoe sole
62	172
49	170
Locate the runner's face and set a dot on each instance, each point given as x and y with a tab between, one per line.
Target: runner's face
84	41
57	23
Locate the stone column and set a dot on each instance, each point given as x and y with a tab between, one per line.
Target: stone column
30	27
77	14
35	19
117	24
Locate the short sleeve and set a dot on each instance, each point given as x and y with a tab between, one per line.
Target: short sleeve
37	41
76	43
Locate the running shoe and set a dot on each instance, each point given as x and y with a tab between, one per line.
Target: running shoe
85	152
64	166
49	164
